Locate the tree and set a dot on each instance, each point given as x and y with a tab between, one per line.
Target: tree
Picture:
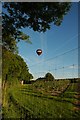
14	68
49	77
37	16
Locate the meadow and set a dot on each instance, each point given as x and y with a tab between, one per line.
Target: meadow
43	100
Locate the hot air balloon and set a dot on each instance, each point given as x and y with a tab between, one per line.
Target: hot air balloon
39	51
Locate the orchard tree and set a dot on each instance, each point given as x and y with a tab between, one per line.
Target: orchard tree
39	16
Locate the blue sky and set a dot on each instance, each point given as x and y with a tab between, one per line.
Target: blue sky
0	8
54	43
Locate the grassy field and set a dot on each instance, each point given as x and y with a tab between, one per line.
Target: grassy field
42	99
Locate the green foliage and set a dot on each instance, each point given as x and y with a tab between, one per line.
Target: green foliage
37	16
14	67
49	77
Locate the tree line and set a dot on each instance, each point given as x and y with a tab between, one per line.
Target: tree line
14	68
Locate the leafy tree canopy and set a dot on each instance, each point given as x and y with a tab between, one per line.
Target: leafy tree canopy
49	77
37	16
14	68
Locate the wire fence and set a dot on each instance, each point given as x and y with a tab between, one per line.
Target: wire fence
64	65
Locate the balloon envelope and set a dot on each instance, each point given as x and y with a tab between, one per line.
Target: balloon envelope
39	51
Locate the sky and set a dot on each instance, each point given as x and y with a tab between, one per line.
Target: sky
59	46
40	0
54	42
0	11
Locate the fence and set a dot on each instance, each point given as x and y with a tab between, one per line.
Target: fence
64	65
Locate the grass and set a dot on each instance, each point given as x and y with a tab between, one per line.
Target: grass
37	101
